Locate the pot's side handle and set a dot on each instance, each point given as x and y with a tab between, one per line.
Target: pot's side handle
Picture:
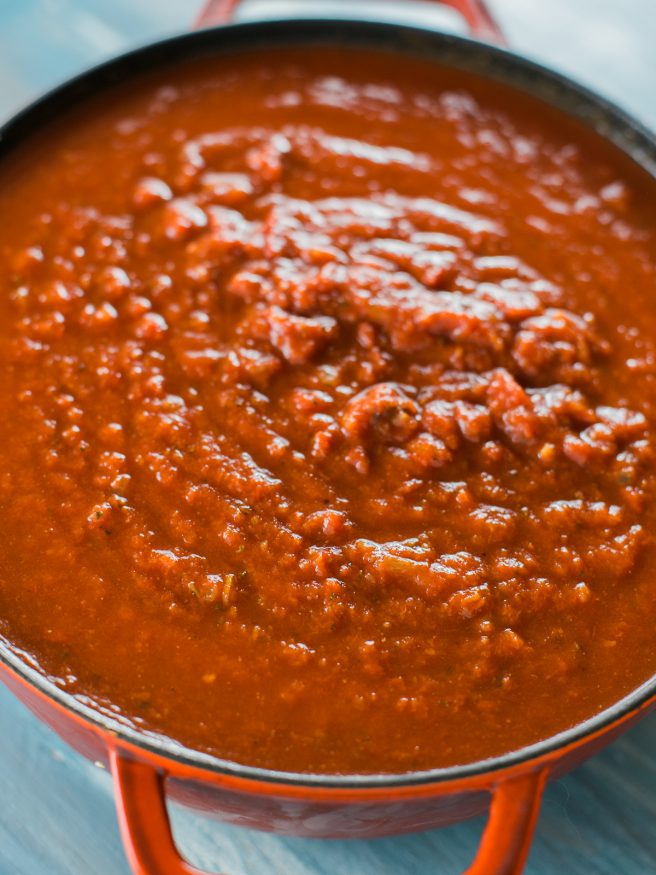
151	850
143	819
508	833
475	12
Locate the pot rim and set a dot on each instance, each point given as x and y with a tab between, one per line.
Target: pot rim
515	70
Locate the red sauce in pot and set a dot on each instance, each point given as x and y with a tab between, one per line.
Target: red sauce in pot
327	391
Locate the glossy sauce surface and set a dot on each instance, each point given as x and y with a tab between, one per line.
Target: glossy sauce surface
328	412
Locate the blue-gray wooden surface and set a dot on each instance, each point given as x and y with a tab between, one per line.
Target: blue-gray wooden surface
56	810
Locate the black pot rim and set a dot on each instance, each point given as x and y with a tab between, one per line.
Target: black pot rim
611	122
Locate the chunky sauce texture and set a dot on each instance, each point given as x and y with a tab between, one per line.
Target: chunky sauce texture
327	397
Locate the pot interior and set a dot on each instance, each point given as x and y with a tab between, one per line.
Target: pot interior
460	53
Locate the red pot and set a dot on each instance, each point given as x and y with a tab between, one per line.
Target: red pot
319	805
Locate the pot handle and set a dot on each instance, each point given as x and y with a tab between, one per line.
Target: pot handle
151	849
481	23
508	833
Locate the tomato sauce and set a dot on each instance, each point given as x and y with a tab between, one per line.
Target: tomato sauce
327	391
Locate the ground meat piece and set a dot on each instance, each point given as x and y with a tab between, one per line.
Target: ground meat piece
548	345
227	188
383	411
559	404
439	417
474	421
512	409
427	451
298	338
267	160
624	424
515	304
151	190
181	217
330	523
593	445
252	365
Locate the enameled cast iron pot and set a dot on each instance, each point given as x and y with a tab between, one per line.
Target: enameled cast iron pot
323	805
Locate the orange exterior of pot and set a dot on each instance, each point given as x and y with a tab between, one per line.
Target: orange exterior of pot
312	811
